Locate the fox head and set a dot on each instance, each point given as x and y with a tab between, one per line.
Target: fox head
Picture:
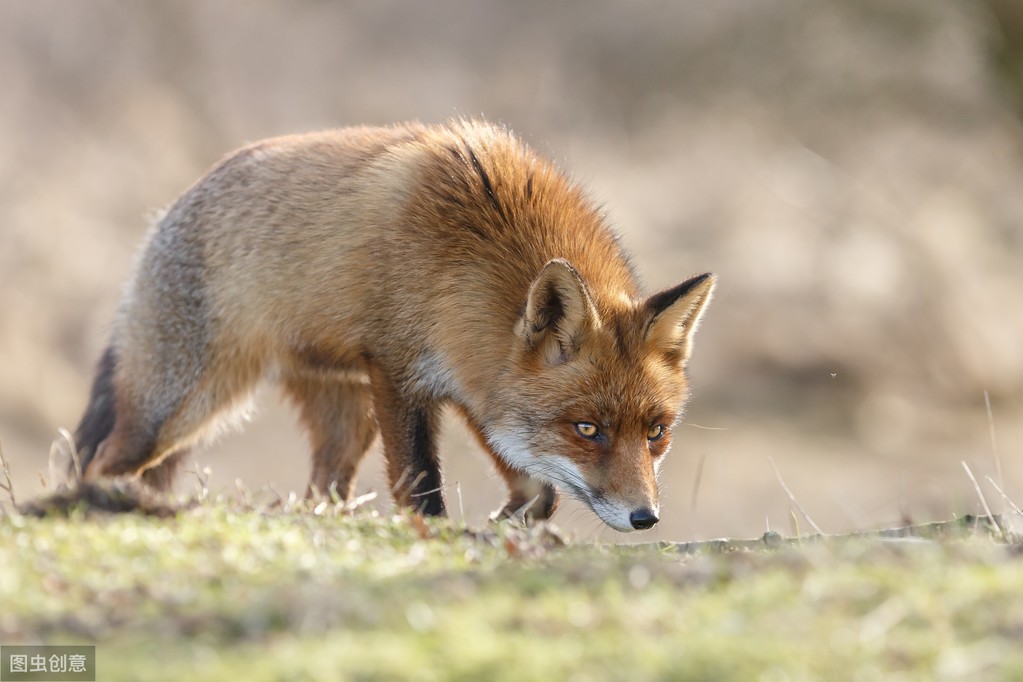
594	395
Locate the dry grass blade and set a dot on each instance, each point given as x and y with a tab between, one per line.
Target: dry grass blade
520	513
1009	505
1015	508
357	502
75	459
416	481
65	443
401	481
983	501
461	509
8	485
792	498
203	478
994	442
334	495
427	492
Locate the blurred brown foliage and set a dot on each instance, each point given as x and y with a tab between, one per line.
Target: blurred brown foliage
849	168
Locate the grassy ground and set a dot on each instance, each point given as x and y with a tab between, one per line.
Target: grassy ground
232	590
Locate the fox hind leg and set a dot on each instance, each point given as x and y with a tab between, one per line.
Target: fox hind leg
160	411
161	477
125	449
338	416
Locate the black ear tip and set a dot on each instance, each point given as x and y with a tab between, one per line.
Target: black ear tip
700	279
706	280
658	303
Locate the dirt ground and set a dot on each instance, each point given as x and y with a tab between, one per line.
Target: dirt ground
850	170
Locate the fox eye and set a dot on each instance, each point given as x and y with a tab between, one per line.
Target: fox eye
587	430
655	432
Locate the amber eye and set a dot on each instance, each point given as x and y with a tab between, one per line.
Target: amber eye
587	430
655	432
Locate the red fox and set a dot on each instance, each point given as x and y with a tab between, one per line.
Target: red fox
378	274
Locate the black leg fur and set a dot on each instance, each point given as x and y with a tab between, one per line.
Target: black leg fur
425	488
98	420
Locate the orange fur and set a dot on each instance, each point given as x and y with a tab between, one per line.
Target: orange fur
378	273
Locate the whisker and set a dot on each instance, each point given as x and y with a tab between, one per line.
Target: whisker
705	428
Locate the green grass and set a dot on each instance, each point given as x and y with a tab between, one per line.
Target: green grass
226	591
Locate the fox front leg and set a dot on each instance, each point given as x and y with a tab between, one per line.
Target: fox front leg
408	428
528	498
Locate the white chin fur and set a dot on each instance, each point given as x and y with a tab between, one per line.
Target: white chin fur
560	472
556	470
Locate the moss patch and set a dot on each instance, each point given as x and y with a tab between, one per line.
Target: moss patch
223	590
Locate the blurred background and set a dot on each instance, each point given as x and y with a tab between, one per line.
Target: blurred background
851	169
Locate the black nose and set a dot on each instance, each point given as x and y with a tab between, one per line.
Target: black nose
642	519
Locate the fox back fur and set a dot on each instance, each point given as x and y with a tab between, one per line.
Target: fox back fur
377	274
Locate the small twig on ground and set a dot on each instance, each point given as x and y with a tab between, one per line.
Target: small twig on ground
8	485
983	501
792	498
962	527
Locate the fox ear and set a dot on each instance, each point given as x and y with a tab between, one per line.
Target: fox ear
675	313
559	312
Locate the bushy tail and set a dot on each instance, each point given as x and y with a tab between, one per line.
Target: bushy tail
98	420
